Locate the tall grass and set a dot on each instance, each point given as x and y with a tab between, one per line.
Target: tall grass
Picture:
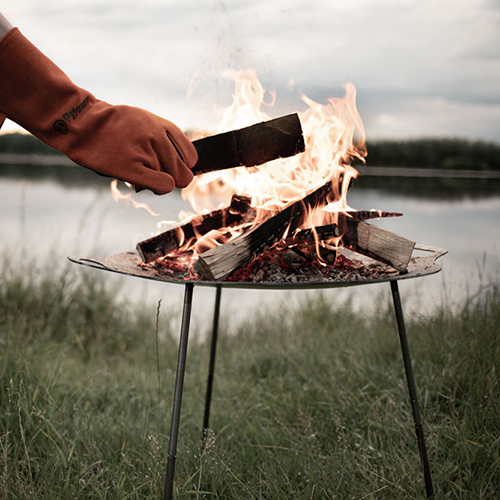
308	403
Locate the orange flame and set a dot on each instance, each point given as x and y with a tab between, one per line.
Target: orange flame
119	196
330	131
334	136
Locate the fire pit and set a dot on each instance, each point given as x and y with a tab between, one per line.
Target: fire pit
129	263
285	225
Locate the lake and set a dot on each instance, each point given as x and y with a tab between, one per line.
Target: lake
53	212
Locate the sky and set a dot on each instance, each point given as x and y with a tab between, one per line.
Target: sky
421	68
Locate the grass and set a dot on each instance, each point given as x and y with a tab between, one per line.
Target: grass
309	403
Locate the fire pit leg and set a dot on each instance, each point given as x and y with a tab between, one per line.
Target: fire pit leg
412	388
179	383
211	366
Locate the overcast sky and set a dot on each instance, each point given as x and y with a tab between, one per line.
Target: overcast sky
421	68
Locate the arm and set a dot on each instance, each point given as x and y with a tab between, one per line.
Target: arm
124	142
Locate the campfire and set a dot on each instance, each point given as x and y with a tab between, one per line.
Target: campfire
283	214
280	219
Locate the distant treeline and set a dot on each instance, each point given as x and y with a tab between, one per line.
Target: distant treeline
24	144
454	154
421	153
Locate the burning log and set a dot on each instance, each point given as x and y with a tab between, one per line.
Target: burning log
332	230
221	261
310	251
233	215
250	146
361	215
322	232
363	238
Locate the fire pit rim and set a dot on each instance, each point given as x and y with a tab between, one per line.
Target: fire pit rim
125	263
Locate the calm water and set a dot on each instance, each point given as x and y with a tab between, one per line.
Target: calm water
54	215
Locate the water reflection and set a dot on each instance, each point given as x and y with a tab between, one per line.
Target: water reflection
429	188
54	212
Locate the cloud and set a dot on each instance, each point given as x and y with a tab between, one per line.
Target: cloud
404	56
430	117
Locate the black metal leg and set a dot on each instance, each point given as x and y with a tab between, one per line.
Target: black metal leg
179	383
211	366
412	388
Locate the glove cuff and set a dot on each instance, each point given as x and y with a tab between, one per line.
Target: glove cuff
36	94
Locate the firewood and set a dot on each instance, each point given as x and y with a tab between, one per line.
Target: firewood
327	254
250	146
323	233
363	238
377	243
157	246
362	215
329	231
220	261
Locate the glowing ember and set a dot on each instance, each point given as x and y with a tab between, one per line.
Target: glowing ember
281	264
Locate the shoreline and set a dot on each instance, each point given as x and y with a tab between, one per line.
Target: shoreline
428	172
9	159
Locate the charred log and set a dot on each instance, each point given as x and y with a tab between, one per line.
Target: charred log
158	246
361	215
220	261
250	146
329	231
363	238
320	232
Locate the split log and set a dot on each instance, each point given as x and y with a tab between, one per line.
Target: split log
219	262
361	215
310	251
323	233
378	243
325	252
332	230
158	246
363	238
250	146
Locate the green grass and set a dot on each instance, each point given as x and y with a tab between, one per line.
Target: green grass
309	403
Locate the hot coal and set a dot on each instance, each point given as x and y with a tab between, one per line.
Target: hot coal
282	264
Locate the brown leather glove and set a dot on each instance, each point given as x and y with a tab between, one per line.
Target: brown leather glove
127	143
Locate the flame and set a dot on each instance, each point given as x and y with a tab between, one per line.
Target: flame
119	196
334	136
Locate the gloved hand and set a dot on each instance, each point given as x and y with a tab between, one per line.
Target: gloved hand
127	143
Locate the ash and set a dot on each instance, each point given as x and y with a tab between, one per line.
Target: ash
285	265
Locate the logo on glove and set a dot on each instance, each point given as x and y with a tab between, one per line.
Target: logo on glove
73	114
61	126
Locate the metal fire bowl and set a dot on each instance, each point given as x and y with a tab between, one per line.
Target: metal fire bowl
127	263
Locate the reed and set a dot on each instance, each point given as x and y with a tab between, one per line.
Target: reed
309	404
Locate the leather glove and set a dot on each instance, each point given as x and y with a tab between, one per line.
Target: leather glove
124	142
